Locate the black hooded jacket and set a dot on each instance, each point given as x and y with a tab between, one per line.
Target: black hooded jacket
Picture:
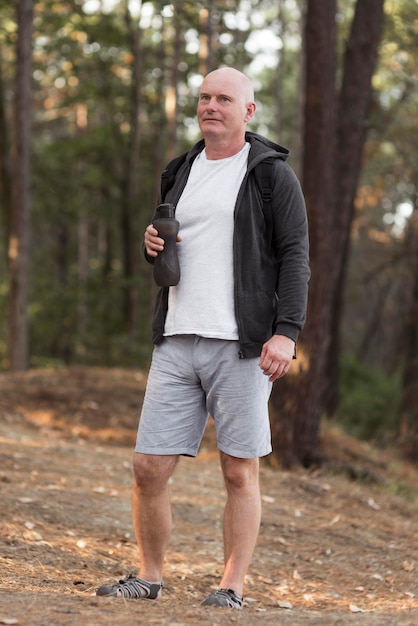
271	269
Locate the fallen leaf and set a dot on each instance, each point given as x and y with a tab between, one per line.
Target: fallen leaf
372	504
285	605
408	567
356	609
32	535
308	597
281	540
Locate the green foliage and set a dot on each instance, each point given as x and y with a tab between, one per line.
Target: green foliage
370	401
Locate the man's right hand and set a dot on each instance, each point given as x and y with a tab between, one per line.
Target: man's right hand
153	243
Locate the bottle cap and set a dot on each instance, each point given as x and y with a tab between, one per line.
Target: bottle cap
165	210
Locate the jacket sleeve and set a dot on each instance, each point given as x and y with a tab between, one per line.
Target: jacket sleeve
291	245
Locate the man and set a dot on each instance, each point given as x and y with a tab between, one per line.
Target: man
223	334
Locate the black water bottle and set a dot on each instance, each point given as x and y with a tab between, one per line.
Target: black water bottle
166	264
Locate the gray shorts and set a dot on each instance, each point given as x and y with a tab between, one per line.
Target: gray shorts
191	378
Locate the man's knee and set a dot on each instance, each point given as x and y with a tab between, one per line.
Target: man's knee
239	474
152	472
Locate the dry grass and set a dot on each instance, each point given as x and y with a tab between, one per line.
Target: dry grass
339	546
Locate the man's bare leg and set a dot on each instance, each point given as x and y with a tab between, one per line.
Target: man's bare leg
151	511
241	518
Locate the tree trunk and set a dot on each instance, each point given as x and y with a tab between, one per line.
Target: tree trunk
172	104
355	96
297	399
130	200
83	275
408	423
20	219
280	73
333	142
5	164
207	39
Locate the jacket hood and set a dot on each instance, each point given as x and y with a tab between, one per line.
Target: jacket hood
261	143
263	148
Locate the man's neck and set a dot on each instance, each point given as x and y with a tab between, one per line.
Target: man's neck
216	149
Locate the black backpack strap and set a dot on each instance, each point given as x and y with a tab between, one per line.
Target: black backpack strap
169	174
264	177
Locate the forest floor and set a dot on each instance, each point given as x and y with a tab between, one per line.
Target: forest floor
338	546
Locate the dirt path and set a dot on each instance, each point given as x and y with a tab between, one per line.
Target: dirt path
331	550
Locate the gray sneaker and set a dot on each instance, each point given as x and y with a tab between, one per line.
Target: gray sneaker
131	587
224	597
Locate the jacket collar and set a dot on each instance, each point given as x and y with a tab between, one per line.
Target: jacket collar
261	148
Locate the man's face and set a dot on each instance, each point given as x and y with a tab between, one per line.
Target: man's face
223	110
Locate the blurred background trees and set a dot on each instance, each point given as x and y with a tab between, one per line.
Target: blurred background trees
113	96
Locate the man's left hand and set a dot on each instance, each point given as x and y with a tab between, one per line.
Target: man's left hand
276	356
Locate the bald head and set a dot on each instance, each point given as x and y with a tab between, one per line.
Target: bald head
230	76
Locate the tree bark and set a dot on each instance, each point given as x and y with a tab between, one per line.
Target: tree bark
18	250
354	102
5	165
297	399
207	39
172	104
333	142
408	422
130	191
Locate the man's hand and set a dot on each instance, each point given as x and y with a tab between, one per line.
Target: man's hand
153	243
276	356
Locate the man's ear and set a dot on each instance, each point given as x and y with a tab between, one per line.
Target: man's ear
250	110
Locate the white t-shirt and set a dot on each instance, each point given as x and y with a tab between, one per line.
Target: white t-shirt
203	301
